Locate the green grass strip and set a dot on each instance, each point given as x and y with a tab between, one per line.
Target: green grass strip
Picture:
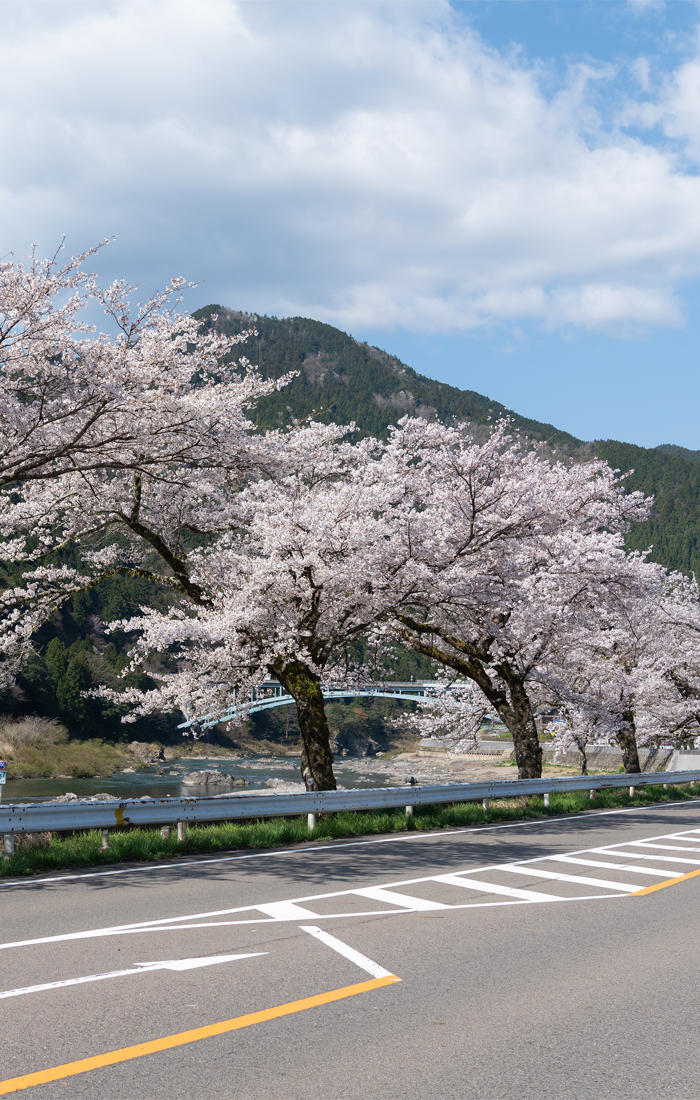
84	849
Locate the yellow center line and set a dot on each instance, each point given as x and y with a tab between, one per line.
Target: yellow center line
663	885
29	1080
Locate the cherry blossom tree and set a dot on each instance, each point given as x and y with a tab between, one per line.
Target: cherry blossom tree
480	557
288	591
504	550
143	431
451	710
76	401
630	672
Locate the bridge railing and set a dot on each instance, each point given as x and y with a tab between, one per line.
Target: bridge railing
272	694
54	816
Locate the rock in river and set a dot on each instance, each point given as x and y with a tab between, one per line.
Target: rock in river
213	779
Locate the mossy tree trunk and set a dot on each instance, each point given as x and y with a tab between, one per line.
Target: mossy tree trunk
304	686
502	684
627	740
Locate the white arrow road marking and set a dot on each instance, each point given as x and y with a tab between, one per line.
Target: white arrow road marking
349	952
140	968
194	964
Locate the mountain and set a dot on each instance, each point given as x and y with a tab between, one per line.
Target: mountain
342	380
681	452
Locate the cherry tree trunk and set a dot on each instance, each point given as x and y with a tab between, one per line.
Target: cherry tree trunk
316	755
528	751
516	713
513	707
627	740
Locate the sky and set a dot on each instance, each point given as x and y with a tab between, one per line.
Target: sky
505	194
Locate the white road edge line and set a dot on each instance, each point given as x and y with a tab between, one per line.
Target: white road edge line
140	968
349	952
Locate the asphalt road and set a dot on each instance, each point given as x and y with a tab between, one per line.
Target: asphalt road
527	971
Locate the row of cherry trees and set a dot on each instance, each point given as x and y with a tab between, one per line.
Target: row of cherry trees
285	549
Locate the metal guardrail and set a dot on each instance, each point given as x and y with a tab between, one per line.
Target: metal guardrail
53	816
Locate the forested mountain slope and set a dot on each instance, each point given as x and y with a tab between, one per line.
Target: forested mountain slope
342	380
674	527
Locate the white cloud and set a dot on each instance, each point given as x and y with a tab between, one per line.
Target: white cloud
367	164
640	7
677	109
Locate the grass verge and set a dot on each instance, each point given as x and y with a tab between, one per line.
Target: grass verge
134	845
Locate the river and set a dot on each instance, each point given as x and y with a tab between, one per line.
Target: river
164	779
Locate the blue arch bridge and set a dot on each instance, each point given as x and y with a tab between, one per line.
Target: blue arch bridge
271	694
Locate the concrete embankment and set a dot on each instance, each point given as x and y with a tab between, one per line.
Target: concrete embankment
601	758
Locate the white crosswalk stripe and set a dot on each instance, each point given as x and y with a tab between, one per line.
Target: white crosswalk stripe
647	855
491	887
662	873
378	893
285	910
662	847
539	873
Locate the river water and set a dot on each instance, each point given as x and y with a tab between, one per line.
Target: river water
164	780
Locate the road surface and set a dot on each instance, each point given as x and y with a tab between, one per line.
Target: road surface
545	960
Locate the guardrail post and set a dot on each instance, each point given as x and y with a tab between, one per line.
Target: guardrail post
665	786
311	821
631	792
487	803
182	831
593	793
165	832
105	838
546	799
9	845
409	811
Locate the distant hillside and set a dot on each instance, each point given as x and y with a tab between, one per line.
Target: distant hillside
674	527
341	380
679	452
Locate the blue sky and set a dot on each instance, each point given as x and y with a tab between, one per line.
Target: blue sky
506	194
641	386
